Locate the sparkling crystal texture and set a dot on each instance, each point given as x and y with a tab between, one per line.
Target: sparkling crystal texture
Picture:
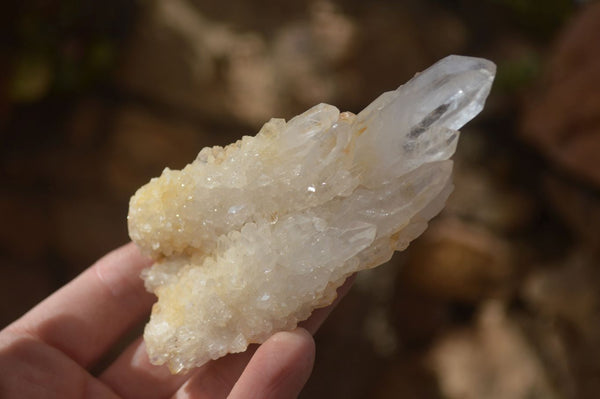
251	238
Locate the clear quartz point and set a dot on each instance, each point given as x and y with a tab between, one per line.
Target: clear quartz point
251	238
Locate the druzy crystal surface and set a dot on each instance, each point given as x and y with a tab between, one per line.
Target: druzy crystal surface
251	238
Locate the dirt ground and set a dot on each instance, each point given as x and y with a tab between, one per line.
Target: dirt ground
500	298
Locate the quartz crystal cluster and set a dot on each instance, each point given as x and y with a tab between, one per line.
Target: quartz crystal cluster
251	238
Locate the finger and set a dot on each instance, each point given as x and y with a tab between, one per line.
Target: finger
216	378
133	376
86	316
279	369
318	317
31	369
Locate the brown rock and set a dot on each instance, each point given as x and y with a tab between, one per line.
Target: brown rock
484	192
179	58
569	292
492	360
579	208
457	261
406	378
563	120
563	299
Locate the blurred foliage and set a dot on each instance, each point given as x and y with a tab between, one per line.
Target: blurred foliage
68	46
517	74
63	47
539	17
31	78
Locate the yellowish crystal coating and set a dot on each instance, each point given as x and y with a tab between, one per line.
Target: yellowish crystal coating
251	238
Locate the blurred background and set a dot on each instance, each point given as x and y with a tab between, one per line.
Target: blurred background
500	298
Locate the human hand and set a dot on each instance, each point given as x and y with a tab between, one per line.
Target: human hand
49	351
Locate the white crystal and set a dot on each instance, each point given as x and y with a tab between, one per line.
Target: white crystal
251	238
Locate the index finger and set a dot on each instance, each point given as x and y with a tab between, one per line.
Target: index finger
87	316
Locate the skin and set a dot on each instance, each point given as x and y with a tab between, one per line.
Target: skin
49	352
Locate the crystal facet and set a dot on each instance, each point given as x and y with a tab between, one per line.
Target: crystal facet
251	238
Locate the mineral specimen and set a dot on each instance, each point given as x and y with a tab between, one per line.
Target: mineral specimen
251	238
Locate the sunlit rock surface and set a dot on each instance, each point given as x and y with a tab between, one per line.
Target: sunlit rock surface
251	238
